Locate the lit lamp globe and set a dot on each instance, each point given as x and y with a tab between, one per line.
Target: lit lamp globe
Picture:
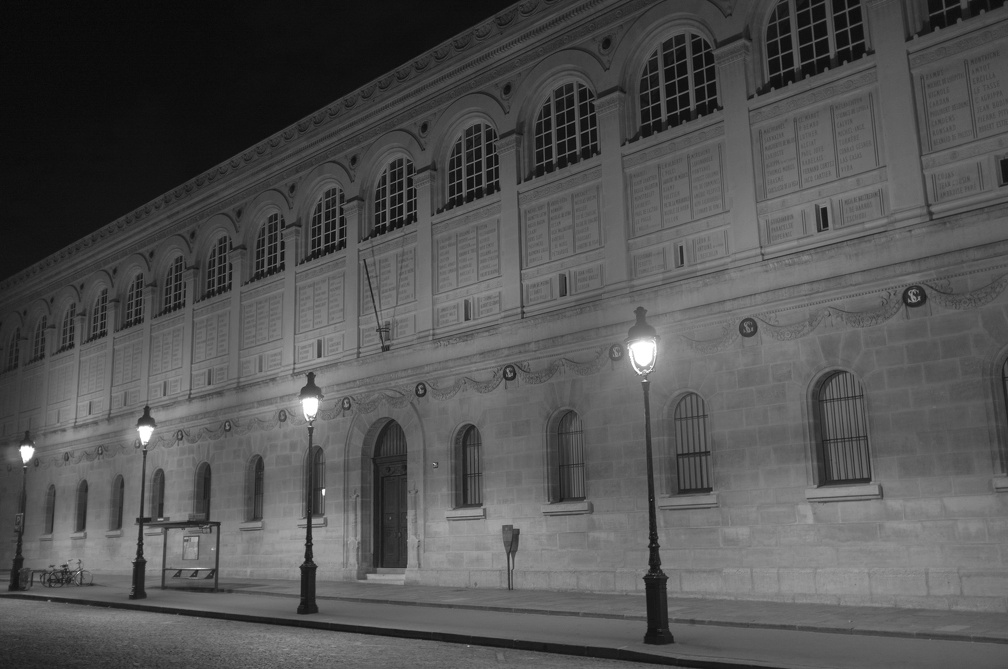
642	344
145	426
310	397
27	449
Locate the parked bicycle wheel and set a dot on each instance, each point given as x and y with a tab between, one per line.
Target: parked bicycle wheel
83	577
55	580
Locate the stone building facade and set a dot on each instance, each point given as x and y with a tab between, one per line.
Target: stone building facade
808	196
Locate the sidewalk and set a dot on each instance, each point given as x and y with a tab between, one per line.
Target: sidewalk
708	633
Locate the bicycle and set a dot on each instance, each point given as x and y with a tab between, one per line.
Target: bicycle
57	577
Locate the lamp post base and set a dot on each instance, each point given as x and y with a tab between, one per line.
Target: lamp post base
657	609
139	573
15	576
308	604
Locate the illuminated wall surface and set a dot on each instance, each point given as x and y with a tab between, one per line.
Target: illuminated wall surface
819	233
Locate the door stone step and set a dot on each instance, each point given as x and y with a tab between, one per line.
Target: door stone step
387	577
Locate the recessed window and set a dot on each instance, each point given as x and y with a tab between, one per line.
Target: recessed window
327	232
99	315
201	492
134	302
50	509
218	272
269	247
38	340
254	489
692	449
566	128
841	431
13	350
570	458
806	37
678	82
473	165
316	484
116	503
157	494
68	327
395	199
174	286
80	523
469	471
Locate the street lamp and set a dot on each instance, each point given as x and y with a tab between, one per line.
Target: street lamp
145	427
642	349
27	451
310	397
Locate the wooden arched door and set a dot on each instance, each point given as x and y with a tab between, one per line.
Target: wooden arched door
391	503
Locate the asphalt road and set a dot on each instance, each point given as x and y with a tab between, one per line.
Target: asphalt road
49	634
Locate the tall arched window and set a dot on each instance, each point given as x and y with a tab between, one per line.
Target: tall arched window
201	492
50	510
38	340
157	494
692	450
134	302
82	500
805	37
677	83
218	267
566	128
473	166
468	468
570	458
68	329
394	197
841	424
317	482
13	350
269	247
327	232
174	286
116	503
99	315
254	489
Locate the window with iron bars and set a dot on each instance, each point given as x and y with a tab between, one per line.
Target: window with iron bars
269	247
806	37
50	509
570	458
473	165
469	469
80	523
327	232
395	197
692	450
566	128
218	273
201	496
317	483
174	286
116	505
842	431
157	494
254	482
678	83
134	302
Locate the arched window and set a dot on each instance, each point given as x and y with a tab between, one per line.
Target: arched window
218	272
566	128
13	350
254	489
805	37
116	503
327	232
174	286
841	425
317	482
38	340
134	302
473	166
157	494
82	494
69	327
269	247
692	450
50	510
99	315
678	82
395	199
570	458
468	468
201	492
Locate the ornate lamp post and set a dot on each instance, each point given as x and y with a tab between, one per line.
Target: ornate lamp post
642	349
145	427
310	398
27	451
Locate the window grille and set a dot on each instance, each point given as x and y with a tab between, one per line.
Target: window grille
254	507
678	82
566	128
116	507
317	482
157	494
174	287
395	197
99	315
327	232
82	500
470	468
50	509
218	276
806	37
38	340
473	169
68	329
134	302
692	451
13	350
201	498
269	247
570	458
843	430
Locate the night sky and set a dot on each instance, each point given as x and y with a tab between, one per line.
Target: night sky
110	105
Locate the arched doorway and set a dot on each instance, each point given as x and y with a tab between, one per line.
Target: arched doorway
391	498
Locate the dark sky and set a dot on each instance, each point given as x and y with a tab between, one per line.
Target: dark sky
110	104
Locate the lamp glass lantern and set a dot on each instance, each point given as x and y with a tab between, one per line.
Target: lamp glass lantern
310	397
145	426
27	448
642	344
